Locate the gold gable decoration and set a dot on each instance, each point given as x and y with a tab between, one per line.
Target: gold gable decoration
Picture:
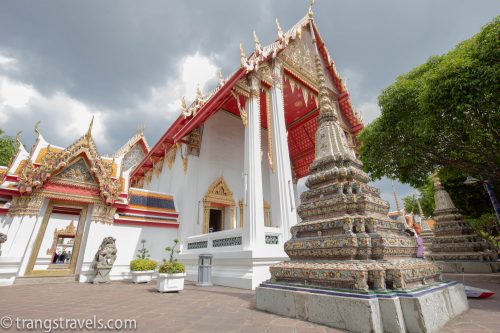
32	178
219	191
218	195
77	173
171	153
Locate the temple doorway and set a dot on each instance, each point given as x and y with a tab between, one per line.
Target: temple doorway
57	245
215	220
218	207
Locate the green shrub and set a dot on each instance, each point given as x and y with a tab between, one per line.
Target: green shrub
143	265
172	267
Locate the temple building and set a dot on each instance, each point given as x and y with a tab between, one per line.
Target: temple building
57	205
222	178
455	245
232	159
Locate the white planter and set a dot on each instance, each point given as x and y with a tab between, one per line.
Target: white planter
141	276
170	282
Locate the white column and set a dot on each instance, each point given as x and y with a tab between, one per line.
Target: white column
253	222
283	200
297	198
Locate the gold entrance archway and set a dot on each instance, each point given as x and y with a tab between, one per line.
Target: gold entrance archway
218	196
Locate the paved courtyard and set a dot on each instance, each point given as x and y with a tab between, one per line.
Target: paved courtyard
212	309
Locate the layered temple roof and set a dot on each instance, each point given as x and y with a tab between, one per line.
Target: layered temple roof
78	173
300	90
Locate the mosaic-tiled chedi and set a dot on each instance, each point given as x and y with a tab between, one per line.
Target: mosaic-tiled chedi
454	238
345	239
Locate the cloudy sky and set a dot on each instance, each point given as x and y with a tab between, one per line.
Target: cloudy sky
130	62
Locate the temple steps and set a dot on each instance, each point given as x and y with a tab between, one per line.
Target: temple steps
27	280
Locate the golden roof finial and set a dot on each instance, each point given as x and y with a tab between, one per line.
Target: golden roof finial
199	94
37	129
258	47
89	131
183	103
310	12
140	129
18	139
221	80
278	27
243	56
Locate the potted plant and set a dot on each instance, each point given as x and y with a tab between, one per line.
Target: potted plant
171	273
142	268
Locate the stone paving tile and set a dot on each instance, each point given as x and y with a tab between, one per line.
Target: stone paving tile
211	309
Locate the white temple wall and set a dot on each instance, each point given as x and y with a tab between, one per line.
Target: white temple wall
221	154
21	234
128	242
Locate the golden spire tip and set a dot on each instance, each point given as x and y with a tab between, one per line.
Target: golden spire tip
18	139
89	131
310	12
37	129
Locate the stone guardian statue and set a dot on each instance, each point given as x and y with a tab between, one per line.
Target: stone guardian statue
104	259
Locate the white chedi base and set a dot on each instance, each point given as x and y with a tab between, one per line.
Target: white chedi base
142	276
170	282
421	311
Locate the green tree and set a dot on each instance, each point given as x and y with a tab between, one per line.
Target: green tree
8	148
444	114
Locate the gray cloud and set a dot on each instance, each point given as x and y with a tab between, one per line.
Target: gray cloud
112	57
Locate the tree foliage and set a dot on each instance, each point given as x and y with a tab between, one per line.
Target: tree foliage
444	113
7	148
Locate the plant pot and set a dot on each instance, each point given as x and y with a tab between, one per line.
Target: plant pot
141	276
170	282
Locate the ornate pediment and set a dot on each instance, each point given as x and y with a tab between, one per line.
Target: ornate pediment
34	177
219	192
133	157
299	57
77	173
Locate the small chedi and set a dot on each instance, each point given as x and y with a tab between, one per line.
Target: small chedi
455	244
104	260
427	236
345	239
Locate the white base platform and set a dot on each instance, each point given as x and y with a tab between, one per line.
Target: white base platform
9	267
237	269
424	310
